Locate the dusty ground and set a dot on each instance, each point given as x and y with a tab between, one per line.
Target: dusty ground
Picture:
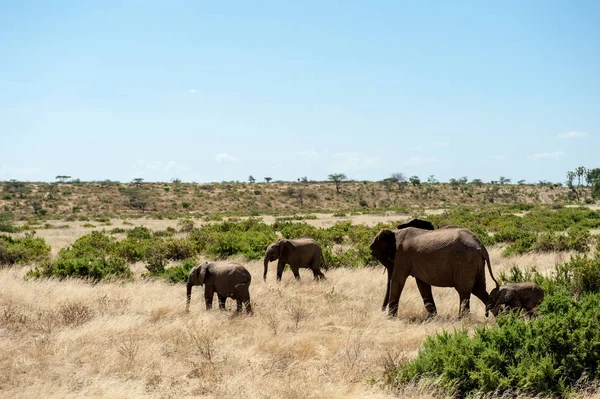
306	339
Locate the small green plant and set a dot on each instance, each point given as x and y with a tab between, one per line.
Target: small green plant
23	250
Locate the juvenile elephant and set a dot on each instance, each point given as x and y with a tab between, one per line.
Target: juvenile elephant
228	280
449	257
301	252
515	296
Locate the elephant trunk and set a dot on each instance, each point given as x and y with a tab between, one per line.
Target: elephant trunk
189	296
266	268
387	290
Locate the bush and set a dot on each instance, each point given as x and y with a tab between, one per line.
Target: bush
23	250
546	356
91	257
94	268
179	274
6	222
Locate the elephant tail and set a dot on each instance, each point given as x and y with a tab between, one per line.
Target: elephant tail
486	258
323	264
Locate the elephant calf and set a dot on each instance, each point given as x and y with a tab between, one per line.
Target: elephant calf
301	252
228	280
515	296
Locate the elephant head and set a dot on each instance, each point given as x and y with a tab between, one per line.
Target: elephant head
196	277
498	297
383	247
274	252
418	223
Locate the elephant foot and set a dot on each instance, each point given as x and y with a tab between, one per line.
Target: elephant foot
431	309
431	315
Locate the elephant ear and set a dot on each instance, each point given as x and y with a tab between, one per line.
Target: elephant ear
383	247
202	273
509	296
282	245
418	223
193	276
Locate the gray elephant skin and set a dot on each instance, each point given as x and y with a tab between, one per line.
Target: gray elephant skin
298	253
448	257
227	280
515	296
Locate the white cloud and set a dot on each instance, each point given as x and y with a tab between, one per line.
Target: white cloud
497	157
193	91
547	155
224	157
573	135
439	143
309	154
279	165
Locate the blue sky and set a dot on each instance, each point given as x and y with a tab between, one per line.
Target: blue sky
213	91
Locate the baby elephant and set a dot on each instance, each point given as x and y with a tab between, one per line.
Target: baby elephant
515	296
228	280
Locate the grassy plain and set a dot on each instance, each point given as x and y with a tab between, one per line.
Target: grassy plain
328	339
306	339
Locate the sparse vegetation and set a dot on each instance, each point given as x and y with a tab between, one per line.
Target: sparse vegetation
340	313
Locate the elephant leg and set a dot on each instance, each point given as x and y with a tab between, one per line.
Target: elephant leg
242	296
296	272
209	294
280	267
480	292
315	267
318	275
425	291
465	302
386	299
395	292
222	300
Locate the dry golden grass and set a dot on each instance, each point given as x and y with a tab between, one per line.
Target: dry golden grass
306	339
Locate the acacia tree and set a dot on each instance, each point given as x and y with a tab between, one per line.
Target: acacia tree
62	178
504	180
399	179
582	176
251	179
268	179
337	178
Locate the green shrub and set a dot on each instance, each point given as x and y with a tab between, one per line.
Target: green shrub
545	356
6	222
93	268
140	233
23	250
179	249
185	225
179	274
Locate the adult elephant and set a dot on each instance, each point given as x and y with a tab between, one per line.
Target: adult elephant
298	253
226	279
448	257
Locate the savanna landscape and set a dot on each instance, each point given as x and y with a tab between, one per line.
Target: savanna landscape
92	292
